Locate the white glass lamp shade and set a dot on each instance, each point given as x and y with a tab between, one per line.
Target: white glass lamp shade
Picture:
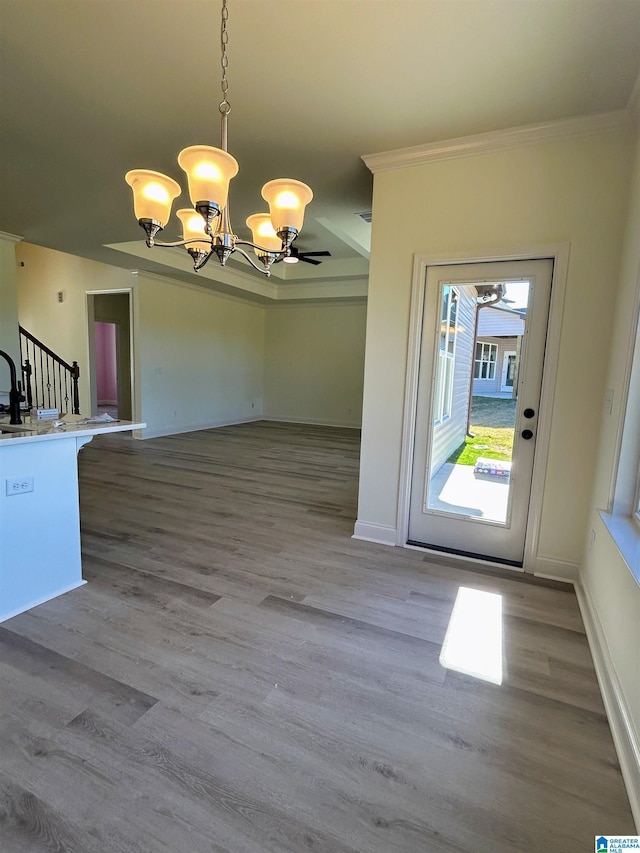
192	228
287	200
153	194
209	171
263	234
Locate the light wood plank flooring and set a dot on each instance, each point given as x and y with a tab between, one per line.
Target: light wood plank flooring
240	675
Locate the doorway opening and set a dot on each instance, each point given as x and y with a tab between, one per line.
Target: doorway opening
106	335
509	364
111	365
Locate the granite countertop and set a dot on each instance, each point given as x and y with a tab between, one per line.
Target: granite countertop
46	431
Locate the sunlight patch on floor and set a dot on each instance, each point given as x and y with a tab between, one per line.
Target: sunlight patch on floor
473	642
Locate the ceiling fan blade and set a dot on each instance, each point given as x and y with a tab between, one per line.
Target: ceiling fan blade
308	257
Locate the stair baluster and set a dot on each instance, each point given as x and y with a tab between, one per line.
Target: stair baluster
49	381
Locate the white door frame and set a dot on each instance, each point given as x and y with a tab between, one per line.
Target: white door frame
559	254
505	366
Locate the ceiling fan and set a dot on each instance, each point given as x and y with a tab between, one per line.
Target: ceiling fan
308	257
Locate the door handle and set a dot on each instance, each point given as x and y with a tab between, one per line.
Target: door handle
527	434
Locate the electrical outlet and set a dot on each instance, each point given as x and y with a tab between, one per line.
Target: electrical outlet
19	485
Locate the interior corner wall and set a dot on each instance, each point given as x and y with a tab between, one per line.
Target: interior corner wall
201	357
566	190
314	362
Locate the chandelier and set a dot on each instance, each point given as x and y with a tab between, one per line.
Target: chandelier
206	226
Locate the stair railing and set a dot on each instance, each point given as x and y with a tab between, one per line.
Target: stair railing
49	381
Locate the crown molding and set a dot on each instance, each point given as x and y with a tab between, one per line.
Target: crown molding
177	261
10	238
342	289
496	140
198	288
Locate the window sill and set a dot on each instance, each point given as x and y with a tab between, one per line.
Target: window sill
626	534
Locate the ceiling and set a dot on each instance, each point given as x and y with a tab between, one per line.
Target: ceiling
92	88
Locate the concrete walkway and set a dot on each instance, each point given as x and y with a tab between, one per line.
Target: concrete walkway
456	489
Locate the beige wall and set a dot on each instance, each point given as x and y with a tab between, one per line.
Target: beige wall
63	326
201	357
570	190
613	593
314	362
198	354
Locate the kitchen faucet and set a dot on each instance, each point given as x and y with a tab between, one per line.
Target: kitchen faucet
15	394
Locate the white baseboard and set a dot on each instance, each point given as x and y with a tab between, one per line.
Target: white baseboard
556	570
314	422
41	600
380	533
164	431
625	738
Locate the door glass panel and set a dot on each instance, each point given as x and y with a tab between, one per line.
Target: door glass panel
475	400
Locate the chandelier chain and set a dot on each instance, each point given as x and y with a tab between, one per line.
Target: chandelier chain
225	106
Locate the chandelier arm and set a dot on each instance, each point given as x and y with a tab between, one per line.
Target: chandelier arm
264	270
177	243
282	252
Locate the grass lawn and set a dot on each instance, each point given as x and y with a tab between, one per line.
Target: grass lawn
490	443
492	412
492	427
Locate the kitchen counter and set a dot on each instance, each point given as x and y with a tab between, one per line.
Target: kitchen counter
73	425
39	509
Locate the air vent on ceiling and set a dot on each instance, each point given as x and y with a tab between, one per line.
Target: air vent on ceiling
367	215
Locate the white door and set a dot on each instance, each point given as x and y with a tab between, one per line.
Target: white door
473	456
508	370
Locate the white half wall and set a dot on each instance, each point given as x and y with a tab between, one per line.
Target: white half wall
314	362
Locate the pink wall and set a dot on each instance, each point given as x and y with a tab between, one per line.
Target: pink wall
106	374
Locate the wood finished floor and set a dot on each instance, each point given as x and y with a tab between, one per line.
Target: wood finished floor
240	675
